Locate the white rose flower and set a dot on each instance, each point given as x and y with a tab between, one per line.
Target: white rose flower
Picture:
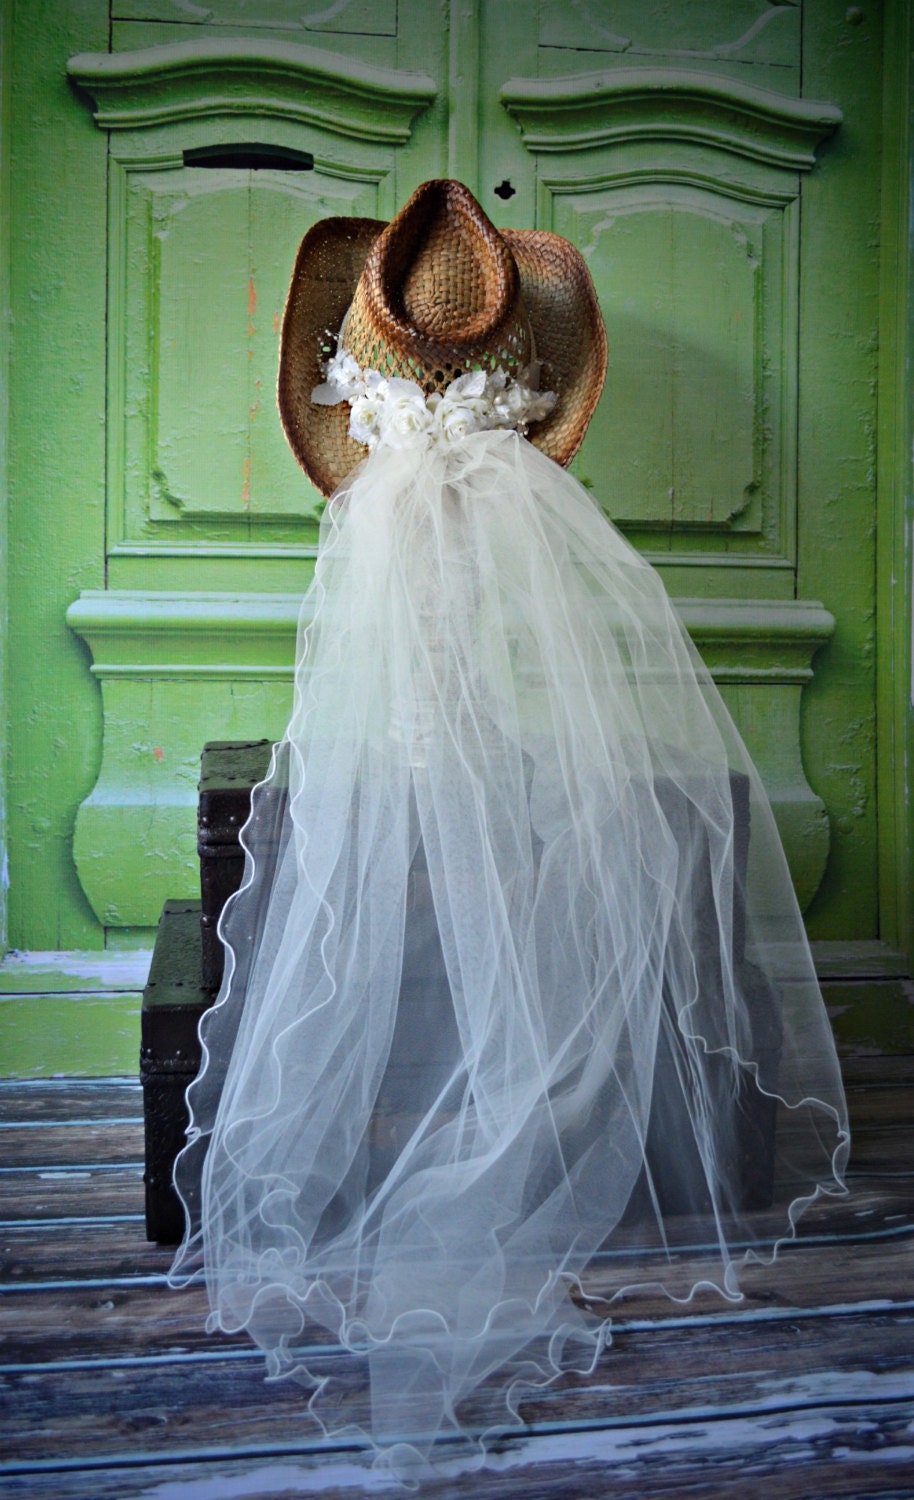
342	371
365	417
455	420
404	415
345	381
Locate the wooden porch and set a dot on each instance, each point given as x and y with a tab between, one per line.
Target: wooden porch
112	1388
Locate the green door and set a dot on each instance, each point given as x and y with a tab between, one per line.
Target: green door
722	169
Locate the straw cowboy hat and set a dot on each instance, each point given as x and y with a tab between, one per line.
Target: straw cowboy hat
436	292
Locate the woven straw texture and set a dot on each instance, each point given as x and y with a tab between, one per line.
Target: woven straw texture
436	292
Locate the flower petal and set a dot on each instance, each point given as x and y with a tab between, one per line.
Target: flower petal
471	384
327	394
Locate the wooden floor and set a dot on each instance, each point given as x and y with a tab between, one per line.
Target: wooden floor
112	1389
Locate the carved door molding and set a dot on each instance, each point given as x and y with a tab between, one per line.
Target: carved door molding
680	163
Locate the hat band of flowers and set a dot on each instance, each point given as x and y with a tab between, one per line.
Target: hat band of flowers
386	409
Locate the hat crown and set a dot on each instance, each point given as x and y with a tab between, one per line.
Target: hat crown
460	281
439	294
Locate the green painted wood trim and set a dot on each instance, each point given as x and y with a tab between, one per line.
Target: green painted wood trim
55	464
871	1017
77	1014
151	632
166	664
76	1036
757	640
859	960
6	29
73	1013
77	973
231	656
242	77
895	490
146	633
836	451
628	104
73	972
463	92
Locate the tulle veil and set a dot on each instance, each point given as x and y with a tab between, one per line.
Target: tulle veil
516	982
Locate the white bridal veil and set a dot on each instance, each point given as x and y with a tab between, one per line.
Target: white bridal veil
516	982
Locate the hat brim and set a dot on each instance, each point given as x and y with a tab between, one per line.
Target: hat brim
326	272
569	334
560	300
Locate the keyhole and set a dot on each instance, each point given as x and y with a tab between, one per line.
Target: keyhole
505	190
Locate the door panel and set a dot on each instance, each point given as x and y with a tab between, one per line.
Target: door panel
740	31
686	306
207	267
348	17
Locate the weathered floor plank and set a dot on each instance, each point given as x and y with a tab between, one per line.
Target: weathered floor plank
55	1192
176	1404
878	1145
56	1321
70	1100
885	1104
51	1250
822	1453
24	1146
111	1388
